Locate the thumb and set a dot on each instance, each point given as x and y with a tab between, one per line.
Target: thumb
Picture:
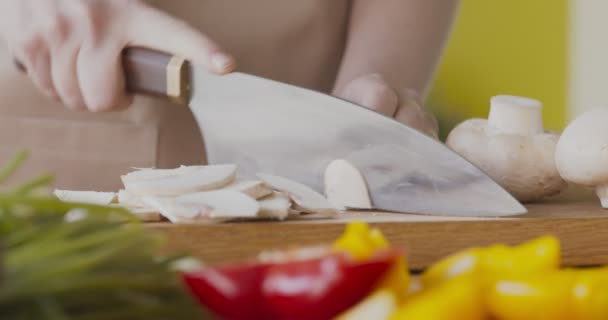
153	29
373	92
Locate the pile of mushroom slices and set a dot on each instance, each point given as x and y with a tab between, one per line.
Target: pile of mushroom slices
214	193
513	148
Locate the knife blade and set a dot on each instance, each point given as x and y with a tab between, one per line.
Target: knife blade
272	127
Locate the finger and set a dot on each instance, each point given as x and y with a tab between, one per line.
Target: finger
36	62
372	92
412	112
41	73
100	78
157	30
65	77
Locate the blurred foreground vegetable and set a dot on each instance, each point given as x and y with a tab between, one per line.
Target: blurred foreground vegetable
496	261
559	295
71	261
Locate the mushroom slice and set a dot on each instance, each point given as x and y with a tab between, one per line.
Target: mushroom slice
221	204
253	188
154	173
90	197
345	187
172	211
128	199
276	205
143	213
146	214
205	206
175	182
305	199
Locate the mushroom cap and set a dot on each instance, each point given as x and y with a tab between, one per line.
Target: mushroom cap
581	155
522	165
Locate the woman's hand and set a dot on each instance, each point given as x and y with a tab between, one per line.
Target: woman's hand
72	49
373	92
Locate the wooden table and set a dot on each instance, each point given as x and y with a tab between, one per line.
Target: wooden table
582	228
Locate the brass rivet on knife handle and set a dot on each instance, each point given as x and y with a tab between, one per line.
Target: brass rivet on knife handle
178	87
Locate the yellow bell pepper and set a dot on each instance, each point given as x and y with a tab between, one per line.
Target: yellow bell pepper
538	255
377	306
464	263
555	295
497	261
397	280
362	242
456	299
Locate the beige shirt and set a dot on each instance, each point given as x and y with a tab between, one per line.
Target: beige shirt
298	42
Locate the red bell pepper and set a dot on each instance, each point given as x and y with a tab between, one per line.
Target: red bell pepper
311	288
232	292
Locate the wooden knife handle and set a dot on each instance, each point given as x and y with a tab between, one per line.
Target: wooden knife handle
157	73
153	73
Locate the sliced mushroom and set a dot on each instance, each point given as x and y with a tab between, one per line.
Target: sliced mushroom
221	203
175	182
128	199
253	188
345	187
90	197
305	199
172	211
154	173
276	206
146	214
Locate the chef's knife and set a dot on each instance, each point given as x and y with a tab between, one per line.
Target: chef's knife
276	128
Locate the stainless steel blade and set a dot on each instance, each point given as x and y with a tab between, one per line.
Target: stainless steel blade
267	126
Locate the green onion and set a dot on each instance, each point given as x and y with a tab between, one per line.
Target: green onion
104	265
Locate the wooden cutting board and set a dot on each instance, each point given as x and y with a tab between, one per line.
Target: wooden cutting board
582	228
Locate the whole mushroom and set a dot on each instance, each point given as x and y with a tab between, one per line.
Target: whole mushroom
581	155
512	147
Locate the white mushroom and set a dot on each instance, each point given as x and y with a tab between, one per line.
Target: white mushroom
221	203
276	205
146	214
512	148
154	173
216	204
582	152
253	188
90	197
174	182
345	187
305	199
128	199
172	211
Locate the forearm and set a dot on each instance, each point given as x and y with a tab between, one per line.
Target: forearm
402	40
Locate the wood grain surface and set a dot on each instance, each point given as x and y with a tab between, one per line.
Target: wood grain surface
582	228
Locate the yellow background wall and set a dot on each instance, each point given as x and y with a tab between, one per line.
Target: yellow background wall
514	47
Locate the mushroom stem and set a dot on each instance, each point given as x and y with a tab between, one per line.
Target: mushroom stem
602	193
516	115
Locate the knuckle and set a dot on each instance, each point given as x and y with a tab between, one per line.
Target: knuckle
57	30
30	45
89	15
